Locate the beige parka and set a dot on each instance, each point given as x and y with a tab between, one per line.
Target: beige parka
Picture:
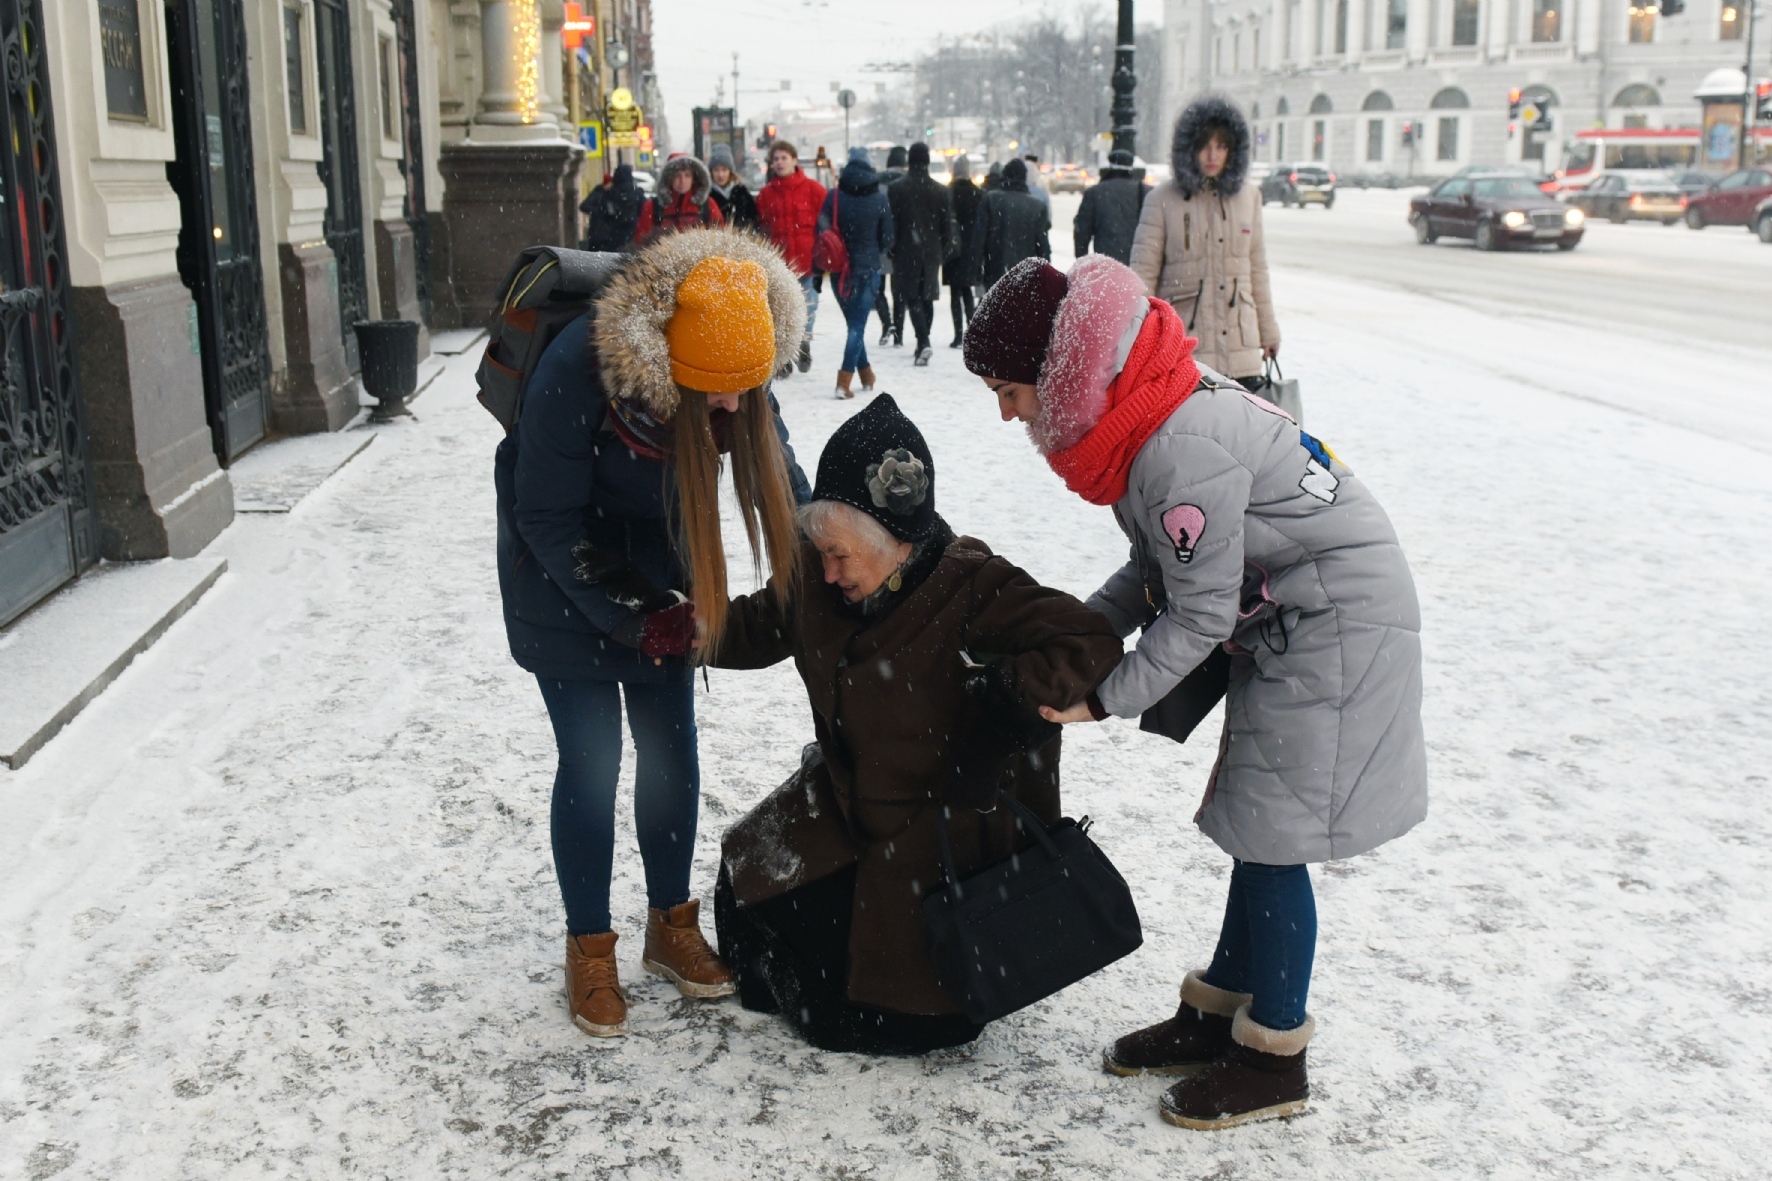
1205	255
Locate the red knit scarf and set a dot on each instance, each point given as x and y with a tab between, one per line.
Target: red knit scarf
1159	375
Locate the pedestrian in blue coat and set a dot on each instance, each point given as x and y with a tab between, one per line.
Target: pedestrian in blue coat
612	570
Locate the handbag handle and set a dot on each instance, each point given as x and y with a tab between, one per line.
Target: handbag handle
1270	370
1024	818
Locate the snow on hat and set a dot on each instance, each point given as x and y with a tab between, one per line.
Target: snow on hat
721	337
1008	336
721	154
878	462
919	155
1097	321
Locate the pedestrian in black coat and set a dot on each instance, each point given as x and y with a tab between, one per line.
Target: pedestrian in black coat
729	193
891	315
1011	225
1109	213
614	210
923	222
960	271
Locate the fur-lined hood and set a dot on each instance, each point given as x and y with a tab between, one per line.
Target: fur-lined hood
1184	148
1102	311
628	331
704	180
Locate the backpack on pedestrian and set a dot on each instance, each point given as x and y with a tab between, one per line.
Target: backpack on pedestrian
548	288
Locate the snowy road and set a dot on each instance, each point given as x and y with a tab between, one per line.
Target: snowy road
279	903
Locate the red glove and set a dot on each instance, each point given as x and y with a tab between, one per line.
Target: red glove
670	632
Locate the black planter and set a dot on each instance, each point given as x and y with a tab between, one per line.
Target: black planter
389	349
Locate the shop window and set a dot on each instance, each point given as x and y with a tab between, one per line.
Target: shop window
294	70
1734	23
1642	22
1464	21
1547	20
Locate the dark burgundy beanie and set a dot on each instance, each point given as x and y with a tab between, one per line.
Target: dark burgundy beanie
1008	335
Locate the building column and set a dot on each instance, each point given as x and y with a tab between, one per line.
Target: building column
1496	30
1416	35
553	66
513	183
1356	29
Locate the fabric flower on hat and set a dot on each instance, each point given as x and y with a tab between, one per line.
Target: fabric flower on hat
899	483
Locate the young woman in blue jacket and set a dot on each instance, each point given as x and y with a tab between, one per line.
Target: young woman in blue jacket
610	549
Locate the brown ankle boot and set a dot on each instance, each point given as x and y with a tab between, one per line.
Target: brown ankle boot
594	994
1198	1034
844	377
676	951
1262	1076
867	379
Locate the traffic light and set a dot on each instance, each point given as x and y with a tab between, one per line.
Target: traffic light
1513	103
1763	103
1408	134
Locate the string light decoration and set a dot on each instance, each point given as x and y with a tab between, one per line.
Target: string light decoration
526	46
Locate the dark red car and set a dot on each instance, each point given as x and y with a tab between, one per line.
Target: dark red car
1731	201
1495	211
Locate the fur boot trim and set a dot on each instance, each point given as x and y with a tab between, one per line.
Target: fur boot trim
1208	999
1283	1043
628	330
1104	300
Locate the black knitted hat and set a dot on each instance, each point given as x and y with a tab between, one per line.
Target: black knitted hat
878	462
1007	338
919	155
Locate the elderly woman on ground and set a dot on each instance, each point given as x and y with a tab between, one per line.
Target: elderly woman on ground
925	659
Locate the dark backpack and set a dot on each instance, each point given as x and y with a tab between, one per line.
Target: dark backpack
548	288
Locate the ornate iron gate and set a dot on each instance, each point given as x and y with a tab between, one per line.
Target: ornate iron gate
218	247
412	161
47	527
338	166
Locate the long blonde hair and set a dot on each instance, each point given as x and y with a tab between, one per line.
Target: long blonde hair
759	477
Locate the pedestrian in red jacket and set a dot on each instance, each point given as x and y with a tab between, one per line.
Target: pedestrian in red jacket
788	208
683	200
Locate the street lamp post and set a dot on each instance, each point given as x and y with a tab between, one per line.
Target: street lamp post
1744	154
1124	81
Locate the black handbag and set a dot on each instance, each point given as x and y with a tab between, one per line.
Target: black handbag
1025	928
1186	706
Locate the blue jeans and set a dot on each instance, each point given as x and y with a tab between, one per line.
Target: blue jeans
809	285
856	303
667	791
1268	941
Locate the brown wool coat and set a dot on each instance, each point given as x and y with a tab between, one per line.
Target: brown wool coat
891	718
1206	257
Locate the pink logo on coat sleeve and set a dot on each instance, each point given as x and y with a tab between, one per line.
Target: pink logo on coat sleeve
1184	524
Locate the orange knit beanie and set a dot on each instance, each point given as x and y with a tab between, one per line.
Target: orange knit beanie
722	338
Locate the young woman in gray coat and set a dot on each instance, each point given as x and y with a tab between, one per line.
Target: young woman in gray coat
1250	536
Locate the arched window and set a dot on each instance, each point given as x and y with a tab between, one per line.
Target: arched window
1450	99
1638	95
1378	100
1321	105
1284	108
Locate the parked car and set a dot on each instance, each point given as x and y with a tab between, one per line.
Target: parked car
1300	185
1620	197
1763	220
1495	211
1690	181
1070	178
1731	201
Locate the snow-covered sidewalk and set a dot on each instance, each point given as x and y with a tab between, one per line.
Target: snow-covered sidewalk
280	903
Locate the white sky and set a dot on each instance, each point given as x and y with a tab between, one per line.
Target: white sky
811	43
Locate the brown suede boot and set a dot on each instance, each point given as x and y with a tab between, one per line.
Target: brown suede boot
867	379
1262	1076
1198	1034
594	994
844	377
676	951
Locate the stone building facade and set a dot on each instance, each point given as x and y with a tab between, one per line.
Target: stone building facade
1339	80
205	196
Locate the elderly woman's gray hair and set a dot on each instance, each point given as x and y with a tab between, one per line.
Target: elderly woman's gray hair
822	518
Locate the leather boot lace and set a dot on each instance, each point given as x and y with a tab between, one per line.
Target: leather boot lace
688	947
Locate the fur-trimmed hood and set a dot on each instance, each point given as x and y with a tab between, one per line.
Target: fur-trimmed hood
1103	308
704	180
628	331
1204	112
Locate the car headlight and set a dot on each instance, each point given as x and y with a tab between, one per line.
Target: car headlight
1513	219
1574	217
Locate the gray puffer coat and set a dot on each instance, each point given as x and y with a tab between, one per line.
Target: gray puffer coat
1250	533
